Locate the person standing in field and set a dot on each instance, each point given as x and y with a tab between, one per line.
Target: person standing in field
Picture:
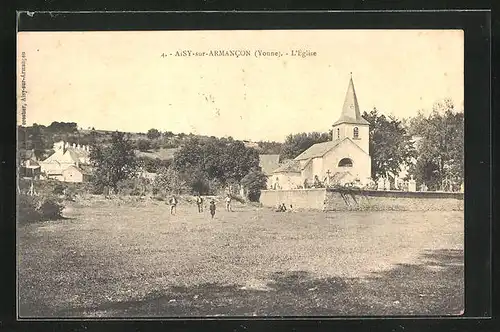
228	203
173	205
212	209
199	203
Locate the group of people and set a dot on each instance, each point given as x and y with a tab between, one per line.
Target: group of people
282	208
199	203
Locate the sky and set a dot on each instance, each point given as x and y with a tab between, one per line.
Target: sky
120	81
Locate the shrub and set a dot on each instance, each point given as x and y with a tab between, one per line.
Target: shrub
254	182
96	188
27	208
143	145
58	189
50	208
36	208
70	193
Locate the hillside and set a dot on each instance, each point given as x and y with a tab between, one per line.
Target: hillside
154	145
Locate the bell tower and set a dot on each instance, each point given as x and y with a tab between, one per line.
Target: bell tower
350	123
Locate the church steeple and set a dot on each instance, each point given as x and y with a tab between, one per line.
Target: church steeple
350	110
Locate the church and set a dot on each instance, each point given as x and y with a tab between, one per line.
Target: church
344	159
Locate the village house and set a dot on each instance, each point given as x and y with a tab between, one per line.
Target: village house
344	159
268	163
68	163
29	166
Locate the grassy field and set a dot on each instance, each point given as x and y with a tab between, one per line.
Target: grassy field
115	258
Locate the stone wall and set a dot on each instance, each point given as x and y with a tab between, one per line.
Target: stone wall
298	198
347	200
392	200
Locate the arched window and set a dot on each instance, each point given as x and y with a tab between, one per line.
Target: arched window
338	132
356	132
345	162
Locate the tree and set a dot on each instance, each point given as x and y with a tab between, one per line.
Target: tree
168	134
213	160
390	145
153	165
440	153
143	144
113	163
254	182
267	147
169	181
62	128
37	140
295	144
155	145
237	160
153	133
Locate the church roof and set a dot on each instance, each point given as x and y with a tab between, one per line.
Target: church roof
318	150
269	162
350	110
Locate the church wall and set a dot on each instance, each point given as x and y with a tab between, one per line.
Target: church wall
331	200
317	168
307	173
361	161
393	201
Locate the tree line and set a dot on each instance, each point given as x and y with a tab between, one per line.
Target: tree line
199	166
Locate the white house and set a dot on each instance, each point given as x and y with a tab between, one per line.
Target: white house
75	174
66	156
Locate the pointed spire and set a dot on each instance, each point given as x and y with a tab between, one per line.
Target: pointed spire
350	110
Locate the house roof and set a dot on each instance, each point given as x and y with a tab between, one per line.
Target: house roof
77	155
318	150
81	169
30	163
350	110
269	162
69	155
291	166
